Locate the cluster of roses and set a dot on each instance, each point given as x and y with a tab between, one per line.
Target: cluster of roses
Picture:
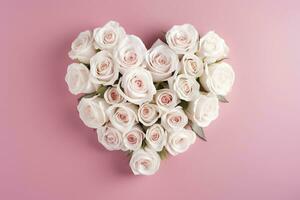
148	102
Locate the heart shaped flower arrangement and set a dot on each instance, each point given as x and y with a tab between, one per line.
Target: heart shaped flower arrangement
148	103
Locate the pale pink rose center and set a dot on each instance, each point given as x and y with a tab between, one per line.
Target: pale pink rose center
145	163
114	95
80	43
110	138
109	37
130	57
161	59
103	66
132	139
146	111
138	83
193	66
175	119
181	38
186	87
155	136
181	140
166	99
88	111
123	117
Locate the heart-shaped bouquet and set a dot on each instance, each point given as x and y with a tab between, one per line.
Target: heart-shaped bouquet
148	103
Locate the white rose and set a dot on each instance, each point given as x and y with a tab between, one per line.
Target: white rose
137	85
130	53
179	141
78	80
156	137
161	61
166	99
218	78
104	69
108	36
112	96
133	139
122	116
110	137
212	48
187	87
148	114
144	162
183	38
92	111
174	119
82	47
191	65
203	110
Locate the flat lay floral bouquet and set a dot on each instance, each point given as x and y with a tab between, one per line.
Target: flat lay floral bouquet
149	103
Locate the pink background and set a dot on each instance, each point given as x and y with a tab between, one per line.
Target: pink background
253	148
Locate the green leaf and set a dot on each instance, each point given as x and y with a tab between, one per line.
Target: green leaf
88	66
157	85
89	95
222	99
144	144
161	85
163	154
221	60
129	153
184	104
199	131
101	90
